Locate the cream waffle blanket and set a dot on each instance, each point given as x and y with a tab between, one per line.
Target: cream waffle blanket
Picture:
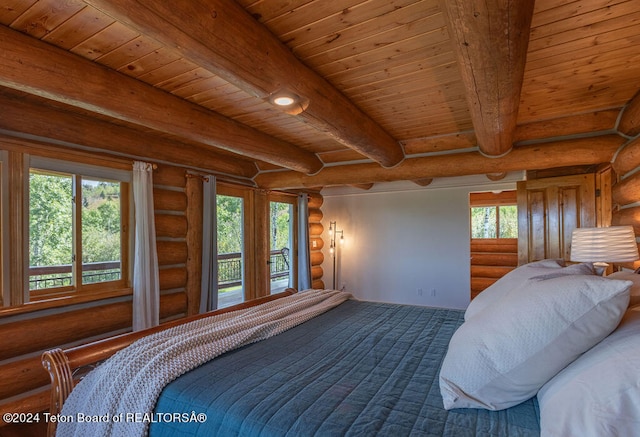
132	379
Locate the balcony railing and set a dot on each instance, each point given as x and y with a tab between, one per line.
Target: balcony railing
42	277
229	271
230	267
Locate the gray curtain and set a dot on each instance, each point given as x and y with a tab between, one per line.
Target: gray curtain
304	257
209	288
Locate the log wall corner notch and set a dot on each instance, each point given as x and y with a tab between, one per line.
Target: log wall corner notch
630	117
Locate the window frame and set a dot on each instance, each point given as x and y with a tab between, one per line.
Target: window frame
78	171
224	189
293	201
4	230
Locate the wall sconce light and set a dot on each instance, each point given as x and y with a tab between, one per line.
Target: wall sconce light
333	233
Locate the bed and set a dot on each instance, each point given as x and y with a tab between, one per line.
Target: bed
359	368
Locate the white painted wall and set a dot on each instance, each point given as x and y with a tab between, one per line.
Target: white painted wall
402	245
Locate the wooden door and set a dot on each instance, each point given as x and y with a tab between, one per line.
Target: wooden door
548	212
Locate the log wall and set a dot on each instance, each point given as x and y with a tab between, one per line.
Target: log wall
491	259
625	193
315	239
172	226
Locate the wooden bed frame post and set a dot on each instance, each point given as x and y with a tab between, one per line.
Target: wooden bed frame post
56	363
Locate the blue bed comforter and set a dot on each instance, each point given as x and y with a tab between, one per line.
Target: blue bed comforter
360	369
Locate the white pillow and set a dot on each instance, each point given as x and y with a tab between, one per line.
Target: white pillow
515	278
635	288
599	393
502	356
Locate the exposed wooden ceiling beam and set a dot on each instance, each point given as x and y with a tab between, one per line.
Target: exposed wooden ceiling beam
37	68
491	38
224	38
581	151
22	118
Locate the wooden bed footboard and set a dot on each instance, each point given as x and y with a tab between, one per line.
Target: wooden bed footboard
66	367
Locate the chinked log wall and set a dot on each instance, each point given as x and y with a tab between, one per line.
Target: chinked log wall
491	259
315	239
626	191
23	381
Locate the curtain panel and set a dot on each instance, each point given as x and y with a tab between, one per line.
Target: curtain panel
209	287
146	288
304	255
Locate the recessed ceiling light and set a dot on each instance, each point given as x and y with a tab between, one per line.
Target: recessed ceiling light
284	100
288	101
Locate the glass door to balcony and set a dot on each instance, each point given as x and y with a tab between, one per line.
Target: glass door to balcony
281	244
230	232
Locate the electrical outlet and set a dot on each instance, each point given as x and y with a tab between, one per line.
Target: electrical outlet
419	291
433	292
314	244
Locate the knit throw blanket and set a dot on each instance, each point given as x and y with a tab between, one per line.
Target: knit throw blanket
130	382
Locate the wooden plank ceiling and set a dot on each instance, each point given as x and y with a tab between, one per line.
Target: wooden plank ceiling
389	89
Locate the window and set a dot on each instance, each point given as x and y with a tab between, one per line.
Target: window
494	215
494	222
78	236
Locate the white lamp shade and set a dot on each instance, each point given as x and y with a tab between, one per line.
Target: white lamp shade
612	244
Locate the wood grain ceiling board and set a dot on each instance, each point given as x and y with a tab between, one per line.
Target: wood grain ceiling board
10	10
108	39
129	52
330	33
44	16
77	28
582	58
